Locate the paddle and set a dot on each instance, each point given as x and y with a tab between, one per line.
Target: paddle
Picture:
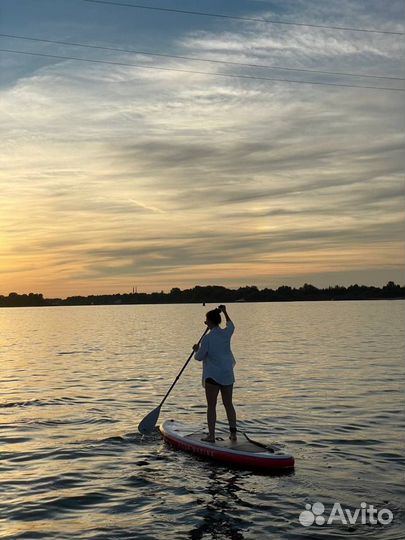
149	422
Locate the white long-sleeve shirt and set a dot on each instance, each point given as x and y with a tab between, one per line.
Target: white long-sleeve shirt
216	355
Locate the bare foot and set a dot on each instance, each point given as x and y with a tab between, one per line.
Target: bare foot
208	439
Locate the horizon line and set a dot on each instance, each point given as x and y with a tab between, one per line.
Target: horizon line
168	292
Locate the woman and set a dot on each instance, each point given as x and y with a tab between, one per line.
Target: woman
218	362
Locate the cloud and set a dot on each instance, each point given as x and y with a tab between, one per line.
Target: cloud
110	172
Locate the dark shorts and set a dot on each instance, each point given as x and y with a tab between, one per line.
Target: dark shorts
209	380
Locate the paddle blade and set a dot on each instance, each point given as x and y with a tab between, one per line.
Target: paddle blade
149	422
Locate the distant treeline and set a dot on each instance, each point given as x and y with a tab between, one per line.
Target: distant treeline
215	294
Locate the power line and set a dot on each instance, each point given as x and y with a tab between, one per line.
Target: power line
178	70
240	18
195	59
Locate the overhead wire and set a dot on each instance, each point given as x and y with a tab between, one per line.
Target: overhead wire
215	74
197	59
243	18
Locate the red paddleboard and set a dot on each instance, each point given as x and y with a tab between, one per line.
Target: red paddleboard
242	453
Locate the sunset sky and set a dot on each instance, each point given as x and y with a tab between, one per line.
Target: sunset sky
115	176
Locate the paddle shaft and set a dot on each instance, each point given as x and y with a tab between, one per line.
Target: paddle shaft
181	371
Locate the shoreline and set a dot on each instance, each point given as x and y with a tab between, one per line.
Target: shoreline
212	294
122	304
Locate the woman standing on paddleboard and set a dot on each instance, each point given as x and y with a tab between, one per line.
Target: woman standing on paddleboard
218	362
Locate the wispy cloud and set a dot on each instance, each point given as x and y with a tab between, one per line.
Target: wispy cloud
114	173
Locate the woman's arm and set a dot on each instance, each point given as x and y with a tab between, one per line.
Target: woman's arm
223	309
201	349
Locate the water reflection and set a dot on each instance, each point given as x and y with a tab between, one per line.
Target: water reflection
326	384
221	514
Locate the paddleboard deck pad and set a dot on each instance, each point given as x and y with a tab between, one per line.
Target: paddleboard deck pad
241	453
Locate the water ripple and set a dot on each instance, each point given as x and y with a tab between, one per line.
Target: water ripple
324	384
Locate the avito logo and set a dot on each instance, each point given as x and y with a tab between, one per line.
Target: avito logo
366	514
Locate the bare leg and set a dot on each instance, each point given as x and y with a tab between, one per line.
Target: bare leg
211	393
226	394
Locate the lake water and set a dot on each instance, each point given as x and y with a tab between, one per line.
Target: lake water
322	380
